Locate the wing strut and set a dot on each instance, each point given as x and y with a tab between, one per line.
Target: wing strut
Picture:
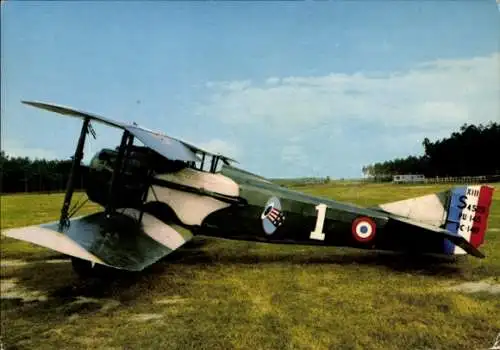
126	143
75	166
144	198
202	162
213	166
122	159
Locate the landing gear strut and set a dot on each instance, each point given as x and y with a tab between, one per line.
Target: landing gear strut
83	268
87	269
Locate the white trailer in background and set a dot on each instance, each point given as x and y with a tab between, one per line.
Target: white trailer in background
409	178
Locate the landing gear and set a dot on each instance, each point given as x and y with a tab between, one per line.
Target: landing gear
86	269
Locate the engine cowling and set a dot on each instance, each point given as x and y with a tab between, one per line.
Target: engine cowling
139	164
132	181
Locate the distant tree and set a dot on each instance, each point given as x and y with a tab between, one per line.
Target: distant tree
22	174
467	152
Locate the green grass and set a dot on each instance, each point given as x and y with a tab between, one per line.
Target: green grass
23	210
221	294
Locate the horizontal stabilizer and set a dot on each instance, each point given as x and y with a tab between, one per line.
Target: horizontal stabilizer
455	239
429	209
120	242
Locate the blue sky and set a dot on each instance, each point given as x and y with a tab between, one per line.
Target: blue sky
289	89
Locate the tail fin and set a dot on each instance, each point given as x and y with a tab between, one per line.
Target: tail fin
468	211
462	211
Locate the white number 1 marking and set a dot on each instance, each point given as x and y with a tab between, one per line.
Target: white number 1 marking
320	221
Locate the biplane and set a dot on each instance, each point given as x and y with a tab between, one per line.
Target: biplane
158	193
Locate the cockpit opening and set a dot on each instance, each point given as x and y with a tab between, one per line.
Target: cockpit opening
139	164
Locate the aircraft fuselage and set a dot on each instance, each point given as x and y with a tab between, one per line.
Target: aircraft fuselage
239	205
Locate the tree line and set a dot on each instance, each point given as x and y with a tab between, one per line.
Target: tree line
471	151
22	174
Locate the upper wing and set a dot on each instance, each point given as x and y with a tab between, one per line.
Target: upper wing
75	113
164	145
169	147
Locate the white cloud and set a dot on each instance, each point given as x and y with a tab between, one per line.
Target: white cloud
14	148
435	95
222	147
336	123
272	81
229	85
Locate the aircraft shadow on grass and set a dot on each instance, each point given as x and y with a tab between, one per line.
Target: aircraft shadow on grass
398	262
204	253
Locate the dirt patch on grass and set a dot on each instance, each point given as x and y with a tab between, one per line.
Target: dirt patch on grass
477	287
172	300
13	263
145	317
9	289
57	261
104	304
19	262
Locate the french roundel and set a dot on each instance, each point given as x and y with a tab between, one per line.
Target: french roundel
363	229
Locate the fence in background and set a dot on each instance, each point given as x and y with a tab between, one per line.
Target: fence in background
389	179
438	180
464	179
35	185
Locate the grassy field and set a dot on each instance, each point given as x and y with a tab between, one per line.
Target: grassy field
220	294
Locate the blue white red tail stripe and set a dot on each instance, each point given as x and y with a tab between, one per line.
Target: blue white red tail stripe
480	224
467	215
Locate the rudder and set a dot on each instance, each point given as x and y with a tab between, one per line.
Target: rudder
468	211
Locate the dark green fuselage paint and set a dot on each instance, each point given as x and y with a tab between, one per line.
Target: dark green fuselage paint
301	215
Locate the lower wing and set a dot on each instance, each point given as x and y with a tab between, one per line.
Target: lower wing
121	242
